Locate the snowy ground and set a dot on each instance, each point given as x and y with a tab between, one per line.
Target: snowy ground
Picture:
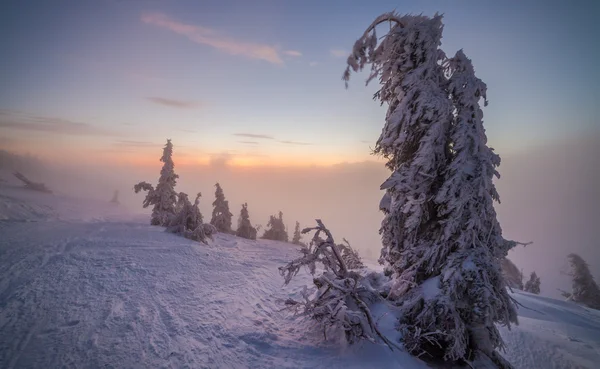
86	284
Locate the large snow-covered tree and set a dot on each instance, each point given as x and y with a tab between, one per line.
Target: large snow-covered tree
442	244
533	284
276	229
512	274
221	216
163	197
245	229
584	288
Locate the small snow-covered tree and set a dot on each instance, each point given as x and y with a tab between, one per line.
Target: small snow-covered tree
584	288
163	197
349	255
533	284
512	275
442	243
221	216
297	239
245	229
276	230
341	297
188	220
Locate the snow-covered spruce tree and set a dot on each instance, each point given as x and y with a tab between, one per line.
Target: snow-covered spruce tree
349	255
245	229
512	274
221	216
276	230
188	220
341	297
533	284
163	197
297	239
584	289
442	244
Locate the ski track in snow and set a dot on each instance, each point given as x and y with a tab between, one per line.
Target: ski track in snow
87	288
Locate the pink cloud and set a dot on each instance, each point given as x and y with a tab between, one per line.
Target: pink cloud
207	36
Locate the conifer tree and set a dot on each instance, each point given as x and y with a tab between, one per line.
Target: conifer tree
533	284
442	244
584	288
276	229
163	197
297	239
221	216
245	229
188	220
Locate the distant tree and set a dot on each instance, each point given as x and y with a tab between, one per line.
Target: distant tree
512	275
188	220
297	239
163	197
221	216
533	284
245	229
584	289
276	230
34	186
442	243
115	198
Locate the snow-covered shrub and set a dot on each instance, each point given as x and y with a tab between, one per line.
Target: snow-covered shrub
188	220
163	197
341	298
512	274
442	243
276	230
34	186
221	216
584	288
533	284
245	229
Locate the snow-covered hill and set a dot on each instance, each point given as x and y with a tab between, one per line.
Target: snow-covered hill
88	284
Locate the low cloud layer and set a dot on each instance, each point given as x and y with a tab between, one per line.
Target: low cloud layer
253	135
24	122
173	103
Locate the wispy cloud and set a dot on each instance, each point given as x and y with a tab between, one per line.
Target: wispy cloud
338	53
25	122
252	135
295	143
292	53
313	64
134	144
188	130
210	37
173	103
365	141
249	142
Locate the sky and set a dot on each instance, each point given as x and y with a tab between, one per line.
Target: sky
251	94
261	80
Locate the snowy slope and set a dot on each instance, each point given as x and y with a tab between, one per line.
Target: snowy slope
89	285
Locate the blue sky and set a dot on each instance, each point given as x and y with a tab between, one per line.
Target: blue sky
121	76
